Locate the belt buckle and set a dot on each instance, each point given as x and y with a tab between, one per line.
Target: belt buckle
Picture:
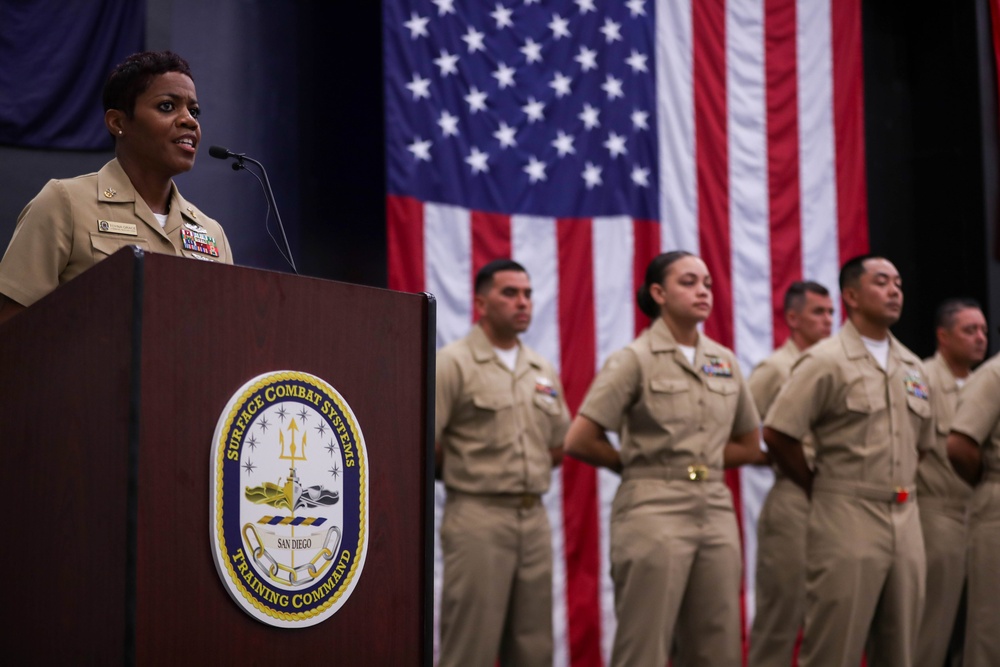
528	500
902	495
698	473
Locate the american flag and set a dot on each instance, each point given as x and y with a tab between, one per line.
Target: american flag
582	138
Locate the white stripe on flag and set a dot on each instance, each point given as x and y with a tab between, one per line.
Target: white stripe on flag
675	127
820	259
749	220
613	305
533	244
448	264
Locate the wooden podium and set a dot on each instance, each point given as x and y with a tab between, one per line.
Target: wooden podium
110	391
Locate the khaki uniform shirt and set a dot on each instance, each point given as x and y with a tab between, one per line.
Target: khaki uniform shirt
496	427
868	423
74	223
766	381
978	413
668	412
935	476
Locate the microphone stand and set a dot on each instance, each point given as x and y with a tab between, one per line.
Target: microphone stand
240	157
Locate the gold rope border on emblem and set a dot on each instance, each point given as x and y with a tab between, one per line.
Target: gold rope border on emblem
334	395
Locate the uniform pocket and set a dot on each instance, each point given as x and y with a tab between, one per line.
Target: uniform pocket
920	406
104	246
547	404
670	400
858	399
495	418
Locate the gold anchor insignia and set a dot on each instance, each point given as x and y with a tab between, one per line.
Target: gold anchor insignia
110	192
194	216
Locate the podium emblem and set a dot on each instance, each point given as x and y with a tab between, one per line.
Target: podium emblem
289	499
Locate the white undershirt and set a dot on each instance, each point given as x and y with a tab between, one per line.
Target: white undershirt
960	382
688	351
878	349
162	219
508	357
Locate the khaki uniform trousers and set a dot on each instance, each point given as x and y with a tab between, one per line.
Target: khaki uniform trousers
982	634
781	575
676	566
864	581
496	596
944	526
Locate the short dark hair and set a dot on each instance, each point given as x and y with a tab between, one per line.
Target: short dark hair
656	271
484	277
944	316
132	77
853	269
795	295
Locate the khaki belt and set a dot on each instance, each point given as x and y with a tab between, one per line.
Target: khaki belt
524	501
897	495
692	473
939	504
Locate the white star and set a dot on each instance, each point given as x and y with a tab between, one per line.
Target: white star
592	175
535	170
615	145
533	110
504	76
559	27
611	30
640	177
560	83
474	40
477	160
636	7
589	117
532	50
505	135
476	100
502	16
586	6
445	6
448	124
613	87
564	144
640	120
421	149
531	2
447	63
587	58
637	61
419	87
417	26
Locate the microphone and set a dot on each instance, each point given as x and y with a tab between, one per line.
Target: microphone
224	154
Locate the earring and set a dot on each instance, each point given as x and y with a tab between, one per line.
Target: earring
120	133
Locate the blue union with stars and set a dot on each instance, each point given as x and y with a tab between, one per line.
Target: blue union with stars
528	107
289	493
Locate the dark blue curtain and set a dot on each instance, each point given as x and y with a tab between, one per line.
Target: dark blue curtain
54	58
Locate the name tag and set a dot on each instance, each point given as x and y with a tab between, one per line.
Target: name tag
112	227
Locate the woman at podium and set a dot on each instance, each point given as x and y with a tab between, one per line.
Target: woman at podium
151	110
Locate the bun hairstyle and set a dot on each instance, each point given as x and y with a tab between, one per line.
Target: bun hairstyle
656	271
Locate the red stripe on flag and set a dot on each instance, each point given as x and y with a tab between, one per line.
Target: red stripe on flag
711	141
490	240
783	155
405	241
849	127
646	246
578	345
